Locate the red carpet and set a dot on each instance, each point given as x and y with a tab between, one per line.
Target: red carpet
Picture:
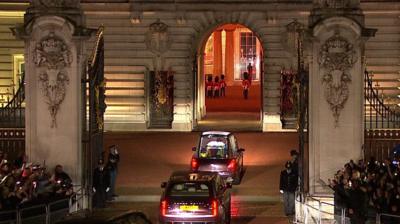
235	102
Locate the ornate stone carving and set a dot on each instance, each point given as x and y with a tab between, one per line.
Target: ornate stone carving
52	54
294	34
337	56
158	40
55	3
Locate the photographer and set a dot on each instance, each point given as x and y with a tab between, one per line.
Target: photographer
368	189
30	184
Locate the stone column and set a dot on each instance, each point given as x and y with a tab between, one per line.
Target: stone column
336	99
229	57
336	89
55	58
217	68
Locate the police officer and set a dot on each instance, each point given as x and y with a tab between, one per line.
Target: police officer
288	186
295	161
112	166
101	185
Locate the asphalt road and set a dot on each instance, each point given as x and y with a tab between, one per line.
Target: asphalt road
242	213
147	159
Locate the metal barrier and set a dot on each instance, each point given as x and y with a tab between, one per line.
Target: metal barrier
39	214
312	210
78	200
384	218
8	217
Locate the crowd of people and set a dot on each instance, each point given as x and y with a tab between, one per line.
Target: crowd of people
364	189
216	86
25	184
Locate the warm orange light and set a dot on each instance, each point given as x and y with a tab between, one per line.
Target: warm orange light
214	208
164	206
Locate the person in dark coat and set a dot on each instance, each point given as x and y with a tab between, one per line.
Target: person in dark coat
339	196
112	166
101	185
295	161
288	186
59	175
357	203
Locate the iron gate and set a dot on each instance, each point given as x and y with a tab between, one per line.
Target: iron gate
94	107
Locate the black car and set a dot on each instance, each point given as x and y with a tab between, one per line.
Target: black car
219	152
200	197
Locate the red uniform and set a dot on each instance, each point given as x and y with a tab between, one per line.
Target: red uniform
209	85
217	86
246	86
222	84
209	88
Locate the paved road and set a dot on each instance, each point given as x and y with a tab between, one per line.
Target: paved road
242	213
147	159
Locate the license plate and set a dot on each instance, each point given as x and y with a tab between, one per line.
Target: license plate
189	207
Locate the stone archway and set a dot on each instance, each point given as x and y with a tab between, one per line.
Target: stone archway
199	110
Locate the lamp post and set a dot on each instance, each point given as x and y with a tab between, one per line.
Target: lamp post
296	33
297	30
303	105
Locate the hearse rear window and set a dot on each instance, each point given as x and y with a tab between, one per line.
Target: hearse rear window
213	147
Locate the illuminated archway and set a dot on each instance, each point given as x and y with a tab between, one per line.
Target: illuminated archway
230	51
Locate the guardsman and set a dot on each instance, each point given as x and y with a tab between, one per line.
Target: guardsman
209	86
250	72
222	85
216	87
246	85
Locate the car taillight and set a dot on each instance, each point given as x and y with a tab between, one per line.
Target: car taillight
164	207
232	165
214	207
194	164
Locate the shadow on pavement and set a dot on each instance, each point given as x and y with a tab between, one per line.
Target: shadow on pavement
259	220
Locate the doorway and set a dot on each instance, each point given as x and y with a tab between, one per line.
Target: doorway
229	80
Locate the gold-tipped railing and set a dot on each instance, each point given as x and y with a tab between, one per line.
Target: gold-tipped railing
382	124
